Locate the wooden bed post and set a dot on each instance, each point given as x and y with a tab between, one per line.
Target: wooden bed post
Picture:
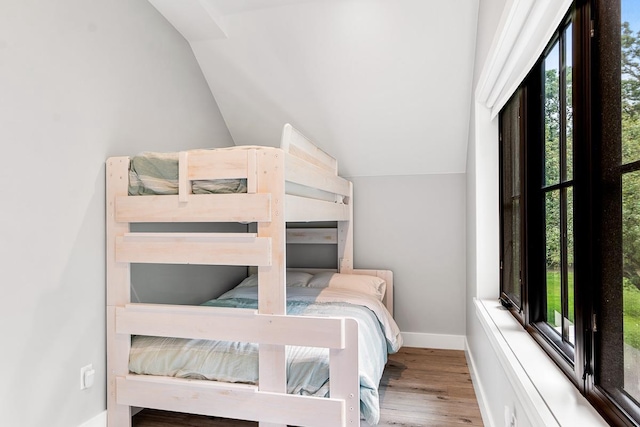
118	293
272	370
344	381
345	238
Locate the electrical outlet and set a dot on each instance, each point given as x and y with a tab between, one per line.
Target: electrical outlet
510	419
87	375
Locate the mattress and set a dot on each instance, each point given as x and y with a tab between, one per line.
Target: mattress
307	368
152	173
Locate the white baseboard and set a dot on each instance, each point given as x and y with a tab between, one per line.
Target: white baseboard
99	420
439	341
481	396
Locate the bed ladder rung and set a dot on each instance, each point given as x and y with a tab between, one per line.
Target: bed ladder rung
307	236
243	325
237	401
194	248
191	236
200	208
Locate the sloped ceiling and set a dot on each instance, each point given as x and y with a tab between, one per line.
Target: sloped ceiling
382	85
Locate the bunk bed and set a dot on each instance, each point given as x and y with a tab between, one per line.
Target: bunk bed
297	182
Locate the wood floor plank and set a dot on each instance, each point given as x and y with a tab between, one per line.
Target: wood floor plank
419	388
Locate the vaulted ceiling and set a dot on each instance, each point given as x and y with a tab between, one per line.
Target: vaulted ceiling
383	85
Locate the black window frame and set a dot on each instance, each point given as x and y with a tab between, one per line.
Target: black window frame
594	30
562	352
532	311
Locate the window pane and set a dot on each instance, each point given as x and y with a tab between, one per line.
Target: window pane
569	328
631	281
553	264
630	112
511	202
515	266
552	117
568	73
629	82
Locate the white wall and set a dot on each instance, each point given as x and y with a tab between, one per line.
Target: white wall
383	85
80	80
415	226
490	377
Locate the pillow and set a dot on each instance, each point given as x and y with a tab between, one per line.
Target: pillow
321	280
294	279
249	281
370	285
298	278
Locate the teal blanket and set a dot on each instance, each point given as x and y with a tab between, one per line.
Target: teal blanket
307	368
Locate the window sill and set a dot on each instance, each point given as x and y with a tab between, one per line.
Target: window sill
546	394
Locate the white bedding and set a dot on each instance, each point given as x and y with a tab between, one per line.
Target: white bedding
307	368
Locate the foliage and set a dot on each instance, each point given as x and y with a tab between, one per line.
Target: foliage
631	304
630	115
630	118
630	71
554	299
552	166
630	183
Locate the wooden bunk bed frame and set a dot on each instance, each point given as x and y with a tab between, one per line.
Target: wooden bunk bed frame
266	169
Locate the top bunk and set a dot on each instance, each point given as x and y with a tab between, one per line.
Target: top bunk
248	184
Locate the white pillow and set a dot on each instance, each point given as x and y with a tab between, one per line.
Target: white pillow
370	285
321	280
298	278
294	279
249	281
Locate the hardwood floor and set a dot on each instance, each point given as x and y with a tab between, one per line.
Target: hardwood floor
420	387
424	387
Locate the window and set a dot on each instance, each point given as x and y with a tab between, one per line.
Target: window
511	202
570	203
555	198
617	345
537	200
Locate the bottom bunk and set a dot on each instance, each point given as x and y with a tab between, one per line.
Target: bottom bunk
212	369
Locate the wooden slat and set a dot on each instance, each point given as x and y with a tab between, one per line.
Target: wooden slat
118	291
118	348
301	209
229	400
295	143
118	275
272	367
345	238
252	171
201	208
304	173
344	375
312	236
194	248
231	324
184	185
218	164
